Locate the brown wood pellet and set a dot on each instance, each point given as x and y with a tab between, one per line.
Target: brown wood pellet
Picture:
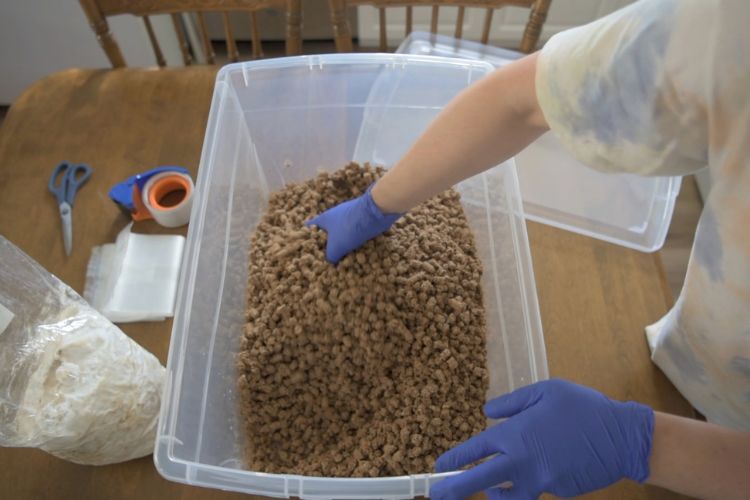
374	366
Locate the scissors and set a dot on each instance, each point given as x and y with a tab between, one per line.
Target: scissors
72	177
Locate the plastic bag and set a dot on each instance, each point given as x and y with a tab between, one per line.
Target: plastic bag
71	383
135	278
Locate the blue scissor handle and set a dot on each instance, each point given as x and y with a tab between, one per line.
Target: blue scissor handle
72	177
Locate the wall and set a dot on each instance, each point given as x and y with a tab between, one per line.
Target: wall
38	37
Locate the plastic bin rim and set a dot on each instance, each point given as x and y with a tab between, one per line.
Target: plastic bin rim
321	60
274	475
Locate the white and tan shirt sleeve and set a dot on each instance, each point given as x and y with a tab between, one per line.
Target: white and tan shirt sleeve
662	87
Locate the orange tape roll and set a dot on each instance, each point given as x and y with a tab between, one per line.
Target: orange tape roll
167	198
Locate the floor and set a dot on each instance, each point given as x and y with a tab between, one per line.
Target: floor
676	250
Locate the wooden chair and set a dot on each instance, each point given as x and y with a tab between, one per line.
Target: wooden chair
98	10
342	32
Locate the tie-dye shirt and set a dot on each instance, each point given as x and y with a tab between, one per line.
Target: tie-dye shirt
662	87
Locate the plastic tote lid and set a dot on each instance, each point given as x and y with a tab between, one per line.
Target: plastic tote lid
557	189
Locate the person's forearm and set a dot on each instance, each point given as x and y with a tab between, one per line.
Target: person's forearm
485	125
699	459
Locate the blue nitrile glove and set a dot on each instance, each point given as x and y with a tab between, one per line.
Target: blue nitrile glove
560	438
351	224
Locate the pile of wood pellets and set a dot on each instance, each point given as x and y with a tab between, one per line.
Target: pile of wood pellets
371	367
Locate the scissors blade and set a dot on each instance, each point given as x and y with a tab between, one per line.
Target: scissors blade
67	227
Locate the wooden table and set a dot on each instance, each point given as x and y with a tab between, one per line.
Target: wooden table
595	297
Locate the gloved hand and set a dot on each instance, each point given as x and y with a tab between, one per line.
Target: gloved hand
560	438
351	224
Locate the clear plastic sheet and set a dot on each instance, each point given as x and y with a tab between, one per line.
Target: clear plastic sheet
135	278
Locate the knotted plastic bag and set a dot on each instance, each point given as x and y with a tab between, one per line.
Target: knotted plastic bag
71	383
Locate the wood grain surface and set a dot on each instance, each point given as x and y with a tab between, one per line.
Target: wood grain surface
595	297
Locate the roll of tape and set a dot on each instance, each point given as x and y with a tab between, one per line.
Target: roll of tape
168	197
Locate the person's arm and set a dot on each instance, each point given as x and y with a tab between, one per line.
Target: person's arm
567	439
485	125
700	459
